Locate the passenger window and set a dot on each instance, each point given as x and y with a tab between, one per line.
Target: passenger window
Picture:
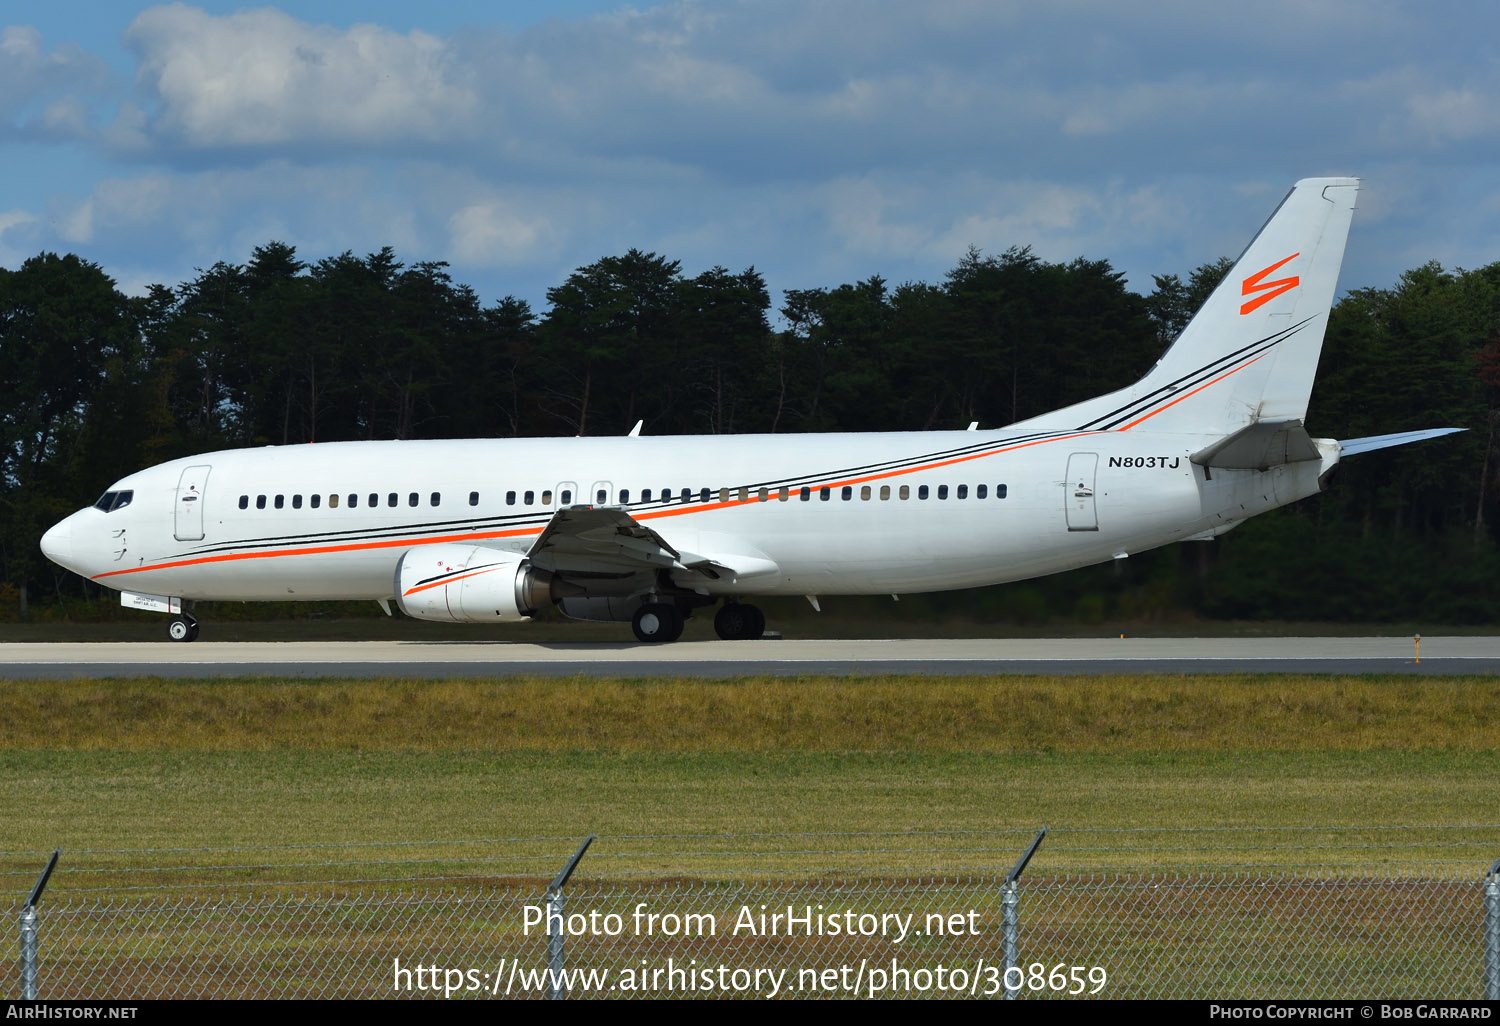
763	495
905	491
624	496
823	493
723	494
413	499
474	498
601	497
567	496
296	501
436	499
980	491
260	502
885	493
244	502
921	491
703	495
806	494
353	500
963	491
687	495
375	499
744	495
942	491
530	498
786	493
999	491
315	500
864	493
333	501
510	498
280	501
645	495
392	499
547	497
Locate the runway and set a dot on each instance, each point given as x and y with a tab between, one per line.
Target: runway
1066	656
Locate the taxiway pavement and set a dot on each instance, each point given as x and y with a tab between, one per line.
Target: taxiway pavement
1063	656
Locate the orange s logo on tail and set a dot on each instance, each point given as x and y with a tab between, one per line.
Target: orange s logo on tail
1272	289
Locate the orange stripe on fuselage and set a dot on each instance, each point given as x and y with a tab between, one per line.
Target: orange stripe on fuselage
317	550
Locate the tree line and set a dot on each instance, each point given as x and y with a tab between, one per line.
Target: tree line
280	351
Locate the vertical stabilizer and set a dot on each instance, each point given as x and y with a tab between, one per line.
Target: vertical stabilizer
1250	353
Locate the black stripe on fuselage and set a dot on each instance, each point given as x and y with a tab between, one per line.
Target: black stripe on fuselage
539	518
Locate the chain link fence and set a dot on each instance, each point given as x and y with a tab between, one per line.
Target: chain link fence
1327	934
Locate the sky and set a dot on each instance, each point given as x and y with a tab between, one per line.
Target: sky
820	143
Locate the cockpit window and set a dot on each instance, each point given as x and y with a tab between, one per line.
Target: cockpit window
122	500
111	501
105	501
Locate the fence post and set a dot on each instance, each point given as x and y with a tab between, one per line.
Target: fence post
555	990
1010	923
28	931
1492	933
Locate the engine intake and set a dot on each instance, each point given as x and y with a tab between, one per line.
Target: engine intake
471	584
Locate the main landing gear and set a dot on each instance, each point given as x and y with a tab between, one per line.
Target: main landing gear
183	628
662	621
737	621
657	621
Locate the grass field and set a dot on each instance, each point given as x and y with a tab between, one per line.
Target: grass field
271	781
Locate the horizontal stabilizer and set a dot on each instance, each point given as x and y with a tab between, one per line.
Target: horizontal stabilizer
1264	444
1355	445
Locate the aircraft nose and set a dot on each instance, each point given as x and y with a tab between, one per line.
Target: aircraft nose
57	543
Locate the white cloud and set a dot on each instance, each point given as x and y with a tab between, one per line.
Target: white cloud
52	84
493	234
13	253
1454	114
262	78
820	142
11	218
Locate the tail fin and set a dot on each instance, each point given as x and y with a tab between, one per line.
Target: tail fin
1250	353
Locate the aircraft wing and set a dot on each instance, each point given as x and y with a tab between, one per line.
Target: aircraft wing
600	540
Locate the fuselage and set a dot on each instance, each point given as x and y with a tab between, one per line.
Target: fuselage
801	514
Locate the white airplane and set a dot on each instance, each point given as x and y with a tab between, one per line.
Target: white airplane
649	529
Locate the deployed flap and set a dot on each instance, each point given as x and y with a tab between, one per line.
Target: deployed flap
735	567
1264	444
596	539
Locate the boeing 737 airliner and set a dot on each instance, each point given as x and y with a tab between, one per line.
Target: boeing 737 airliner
650	529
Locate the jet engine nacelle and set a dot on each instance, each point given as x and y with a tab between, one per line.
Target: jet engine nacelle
470	584
613	609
